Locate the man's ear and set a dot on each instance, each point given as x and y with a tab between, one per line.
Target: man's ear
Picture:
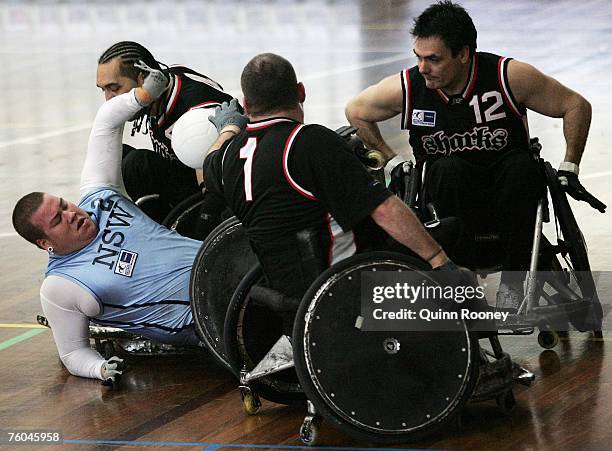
245	105
464	54
301	92
140	79
43	243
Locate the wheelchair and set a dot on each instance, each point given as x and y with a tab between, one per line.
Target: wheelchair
326	348
113	341
187	218
560	287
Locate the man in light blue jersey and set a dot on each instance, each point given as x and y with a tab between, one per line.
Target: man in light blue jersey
108	261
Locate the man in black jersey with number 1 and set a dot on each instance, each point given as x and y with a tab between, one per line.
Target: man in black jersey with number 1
304	199
466	112
159	171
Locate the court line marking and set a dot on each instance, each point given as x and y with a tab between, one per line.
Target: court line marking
85	126
213	446
19	338
355	67
34	138
583	177
21	326
594	176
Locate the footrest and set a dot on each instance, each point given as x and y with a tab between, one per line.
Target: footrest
494	378
279	358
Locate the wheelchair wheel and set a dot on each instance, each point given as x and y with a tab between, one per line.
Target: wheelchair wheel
184	217
222	261
152	207
357	382
250	332
577	258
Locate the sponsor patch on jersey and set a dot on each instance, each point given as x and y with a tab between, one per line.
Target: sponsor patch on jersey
126	263
424	118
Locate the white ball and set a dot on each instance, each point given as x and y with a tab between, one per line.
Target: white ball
192	136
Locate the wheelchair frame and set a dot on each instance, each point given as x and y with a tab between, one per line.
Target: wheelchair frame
268	377
571	249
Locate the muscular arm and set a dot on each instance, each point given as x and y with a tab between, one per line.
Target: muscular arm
377	103
67	307
228	132
102	167
399	222
547	96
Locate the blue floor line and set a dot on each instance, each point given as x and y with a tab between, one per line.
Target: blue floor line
214	446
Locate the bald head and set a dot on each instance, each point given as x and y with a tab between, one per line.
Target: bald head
269	85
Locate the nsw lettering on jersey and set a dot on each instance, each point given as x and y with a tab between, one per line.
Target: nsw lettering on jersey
113	237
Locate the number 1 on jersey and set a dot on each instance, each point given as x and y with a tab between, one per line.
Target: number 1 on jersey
246	153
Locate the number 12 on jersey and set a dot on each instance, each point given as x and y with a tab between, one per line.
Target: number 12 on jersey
246	153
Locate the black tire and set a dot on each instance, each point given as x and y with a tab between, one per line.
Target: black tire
577	254
184	216
221	263
249	333
359	371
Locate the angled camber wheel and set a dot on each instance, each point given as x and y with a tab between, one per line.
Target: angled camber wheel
577	253
222	261
250	332
356	383
183	218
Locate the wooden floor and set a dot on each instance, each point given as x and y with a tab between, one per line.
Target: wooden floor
48	53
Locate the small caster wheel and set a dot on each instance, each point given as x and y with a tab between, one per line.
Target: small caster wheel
309	432
251	403
548	339
108	349
598	335
506	401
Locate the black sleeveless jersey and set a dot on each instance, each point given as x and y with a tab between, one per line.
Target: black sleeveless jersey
481	123
190	90
280	177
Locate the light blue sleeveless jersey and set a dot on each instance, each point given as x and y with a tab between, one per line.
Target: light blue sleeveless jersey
136	269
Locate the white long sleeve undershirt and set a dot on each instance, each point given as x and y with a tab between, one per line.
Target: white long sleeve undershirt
66	304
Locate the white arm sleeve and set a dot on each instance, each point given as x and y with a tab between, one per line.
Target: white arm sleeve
67	307
102	166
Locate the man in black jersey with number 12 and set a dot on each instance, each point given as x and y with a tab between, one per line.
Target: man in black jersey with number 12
304	199
466	112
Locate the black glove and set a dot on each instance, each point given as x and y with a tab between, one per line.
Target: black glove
449	274
448	266
228	114
571	184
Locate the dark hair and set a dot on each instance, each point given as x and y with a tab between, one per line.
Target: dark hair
269	84
22	217
448	21
130	52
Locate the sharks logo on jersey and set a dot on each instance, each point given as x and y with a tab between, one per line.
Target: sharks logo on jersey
480	138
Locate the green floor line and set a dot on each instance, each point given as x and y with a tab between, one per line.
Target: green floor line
19	338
